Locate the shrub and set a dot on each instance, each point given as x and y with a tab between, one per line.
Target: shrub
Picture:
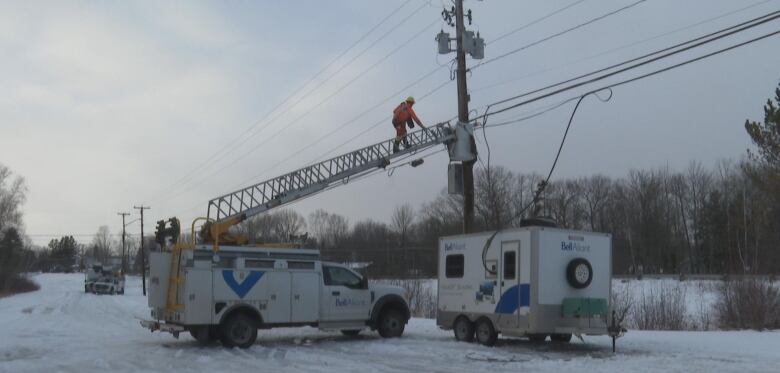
660	308
748	303
14	284
421	298
621	303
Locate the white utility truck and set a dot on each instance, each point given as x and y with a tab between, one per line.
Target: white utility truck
100	279
230	294
223	288
529	282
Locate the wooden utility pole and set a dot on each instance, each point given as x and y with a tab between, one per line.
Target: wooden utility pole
463	117
143	252
124	260
463	150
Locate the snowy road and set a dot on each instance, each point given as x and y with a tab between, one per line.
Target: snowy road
61	329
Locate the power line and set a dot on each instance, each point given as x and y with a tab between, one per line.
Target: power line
328	98
242	138
343	125
771	16
626	62
540	19
557	34
612	50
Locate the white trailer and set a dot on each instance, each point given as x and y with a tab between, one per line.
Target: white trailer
529	282
229	295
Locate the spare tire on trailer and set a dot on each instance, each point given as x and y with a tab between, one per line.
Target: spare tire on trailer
579	273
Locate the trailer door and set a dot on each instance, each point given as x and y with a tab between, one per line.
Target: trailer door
513	293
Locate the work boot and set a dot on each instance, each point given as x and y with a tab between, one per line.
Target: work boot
406	143
395	147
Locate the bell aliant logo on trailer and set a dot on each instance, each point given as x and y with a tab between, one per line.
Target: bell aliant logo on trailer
245	286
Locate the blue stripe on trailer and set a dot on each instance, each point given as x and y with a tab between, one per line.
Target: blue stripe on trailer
245	286
513	298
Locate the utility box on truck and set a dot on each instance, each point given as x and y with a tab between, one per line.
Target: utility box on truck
530	282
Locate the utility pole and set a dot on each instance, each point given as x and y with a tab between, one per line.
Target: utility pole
465	42
124	260
143	252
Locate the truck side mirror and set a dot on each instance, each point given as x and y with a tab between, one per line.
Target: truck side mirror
364	282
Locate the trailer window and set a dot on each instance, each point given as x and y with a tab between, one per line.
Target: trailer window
453	267
510	265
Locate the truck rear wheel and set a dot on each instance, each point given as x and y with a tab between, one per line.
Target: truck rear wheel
486	333
464	329
238	331
391	324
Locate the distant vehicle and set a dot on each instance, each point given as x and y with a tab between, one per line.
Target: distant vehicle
100	279
228	296
529	282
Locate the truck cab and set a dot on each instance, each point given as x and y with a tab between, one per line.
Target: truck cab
230	295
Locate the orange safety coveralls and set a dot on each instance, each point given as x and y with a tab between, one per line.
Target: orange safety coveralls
403	115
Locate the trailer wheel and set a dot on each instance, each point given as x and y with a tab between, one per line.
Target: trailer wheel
579	273
560	338
537	338
486	333
391	324
238	331
464	329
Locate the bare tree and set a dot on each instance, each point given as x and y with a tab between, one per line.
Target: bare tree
494	190
596	193
102	244
336	230
401	221
288	223
12	196
318	222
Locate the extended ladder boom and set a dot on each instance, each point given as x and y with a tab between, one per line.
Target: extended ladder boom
298	184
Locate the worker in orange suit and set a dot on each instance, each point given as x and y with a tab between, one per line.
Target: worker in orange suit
404	115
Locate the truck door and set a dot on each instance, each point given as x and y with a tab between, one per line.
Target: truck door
344	299
508	305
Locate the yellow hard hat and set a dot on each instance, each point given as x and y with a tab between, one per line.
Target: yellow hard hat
410	99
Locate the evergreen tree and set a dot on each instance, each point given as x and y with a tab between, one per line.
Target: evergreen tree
766	136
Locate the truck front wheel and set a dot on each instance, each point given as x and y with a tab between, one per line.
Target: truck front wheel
391	324
238	331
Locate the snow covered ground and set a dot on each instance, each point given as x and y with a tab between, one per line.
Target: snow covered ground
61	329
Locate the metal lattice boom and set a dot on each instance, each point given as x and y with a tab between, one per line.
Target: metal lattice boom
298	184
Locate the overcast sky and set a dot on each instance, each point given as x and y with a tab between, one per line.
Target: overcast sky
109	104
